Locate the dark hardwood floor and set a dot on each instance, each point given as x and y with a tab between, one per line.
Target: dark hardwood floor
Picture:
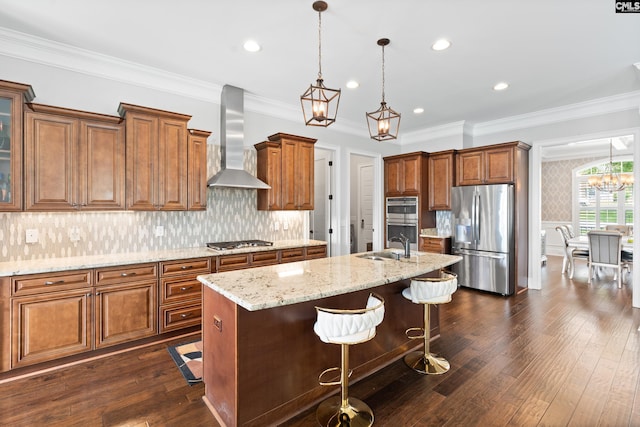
568	355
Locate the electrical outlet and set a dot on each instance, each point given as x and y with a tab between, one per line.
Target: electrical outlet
159	231
285	225
276	226
74	234
31	235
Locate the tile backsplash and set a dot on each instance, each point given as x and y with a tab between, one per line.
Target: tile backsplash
231	215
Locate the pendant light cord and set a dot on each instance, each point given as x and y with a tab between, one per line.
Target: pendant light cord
319	45
382	73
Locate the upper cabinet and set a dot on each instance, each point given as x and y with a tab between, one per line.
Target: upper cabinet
157	160
73	160
494	164
286	163
197	169
12	99
441	176
405	174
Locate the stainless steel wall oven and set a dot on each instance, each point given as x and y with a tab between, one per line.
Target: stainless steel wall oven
402	218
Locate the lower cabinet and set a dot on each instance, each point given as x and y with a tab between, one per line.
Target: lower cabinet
438	245
181	293
125	312
50	326
49	316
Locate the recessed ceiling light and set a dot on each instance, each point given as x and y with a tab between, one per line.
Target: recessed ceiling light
501	86
441	44
352	84
251	46
418	110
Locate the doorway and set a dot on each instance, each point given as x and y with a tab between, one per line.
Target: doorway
540	151
361	224
320	218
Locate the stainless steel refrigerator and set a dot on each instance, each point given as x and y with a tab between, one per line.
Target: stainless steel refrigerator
482	218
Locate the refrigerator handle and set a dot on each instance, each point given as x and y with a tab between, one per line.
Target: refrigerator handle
473	218
476	220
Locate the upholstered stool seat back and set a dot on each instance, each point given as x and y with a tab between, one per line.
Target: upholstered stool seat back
349	326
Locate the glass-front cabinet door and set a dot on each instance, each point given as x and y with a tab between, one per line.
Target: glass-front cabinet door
12	98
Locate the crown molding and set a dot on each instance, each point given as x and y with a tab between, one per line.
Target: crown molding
611	104
442	131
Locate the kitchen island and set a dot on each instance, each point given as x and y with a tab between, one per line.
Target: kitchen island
261	356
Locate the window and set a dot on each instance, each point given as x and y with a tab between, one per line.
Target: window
596	209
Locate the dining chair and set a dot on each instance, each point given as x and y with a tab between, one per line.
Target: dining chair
570	254
625	230
605	250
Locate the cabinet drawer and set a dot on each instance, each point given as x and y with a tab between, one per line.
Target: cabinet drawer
179	289
291	255
180	316
316	252
233	262
436	245
264	258
49	282
192	266
126	273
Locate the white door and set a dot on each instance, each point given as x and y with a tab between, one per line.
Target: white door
365	206
320	216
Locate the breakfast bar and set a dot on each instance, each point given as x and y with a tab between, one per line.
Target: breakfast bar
261	357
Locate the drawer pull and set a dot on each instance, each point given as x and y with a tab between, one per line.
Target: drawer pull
185	315
128	274
57	282
185	288
186	267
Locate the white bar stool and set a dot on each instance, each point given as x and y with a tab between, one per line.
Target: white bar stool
346	327
428	291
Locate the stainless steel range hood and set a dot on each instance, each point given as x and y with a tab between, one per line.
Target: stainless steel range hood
232	173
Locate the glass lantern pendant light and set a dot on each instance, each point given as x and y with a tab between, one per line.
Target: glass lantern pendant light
319	103
383	123
609	180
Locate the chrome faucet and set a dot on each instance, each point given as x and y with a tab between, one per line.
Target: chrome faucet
405	242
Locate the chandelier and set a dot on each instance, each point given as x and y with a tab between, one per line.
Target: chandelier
383	123
609	180
319	103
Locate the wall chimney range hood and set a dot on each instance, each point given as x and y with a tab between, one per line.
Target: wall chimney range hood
232	173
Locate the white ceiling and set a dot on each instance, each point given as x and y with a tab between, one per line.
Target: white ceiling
552	53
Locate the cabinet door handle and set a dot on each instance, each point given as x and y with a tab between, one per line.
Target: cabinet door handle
128	274
185	288
57	282
186	267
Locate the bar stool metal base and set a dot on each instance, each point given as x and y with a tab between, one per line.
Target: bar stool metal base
429	364
328	412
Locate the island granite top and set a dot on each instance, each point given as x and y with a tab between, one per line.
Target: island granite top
283	284
48	265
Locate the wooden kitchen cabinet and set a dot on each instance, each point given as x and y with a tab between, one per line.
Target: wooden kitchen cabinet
157	159
494	164
197	170
51	316
73	160
181	293
314	252
441	178
286	163
12	99
438	245
126	304
405	174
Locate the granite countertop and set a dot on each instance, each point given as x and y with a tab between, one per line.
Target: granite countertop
283	284
12	268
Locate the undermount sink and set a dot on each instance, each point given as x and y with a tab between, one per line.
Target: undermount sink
380	256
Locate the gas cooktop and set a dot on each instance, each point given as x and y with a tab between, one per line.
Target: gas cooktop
221	246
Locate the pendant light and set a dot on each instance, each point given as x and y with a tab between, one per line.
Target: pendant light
319	103
383	123
609	180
